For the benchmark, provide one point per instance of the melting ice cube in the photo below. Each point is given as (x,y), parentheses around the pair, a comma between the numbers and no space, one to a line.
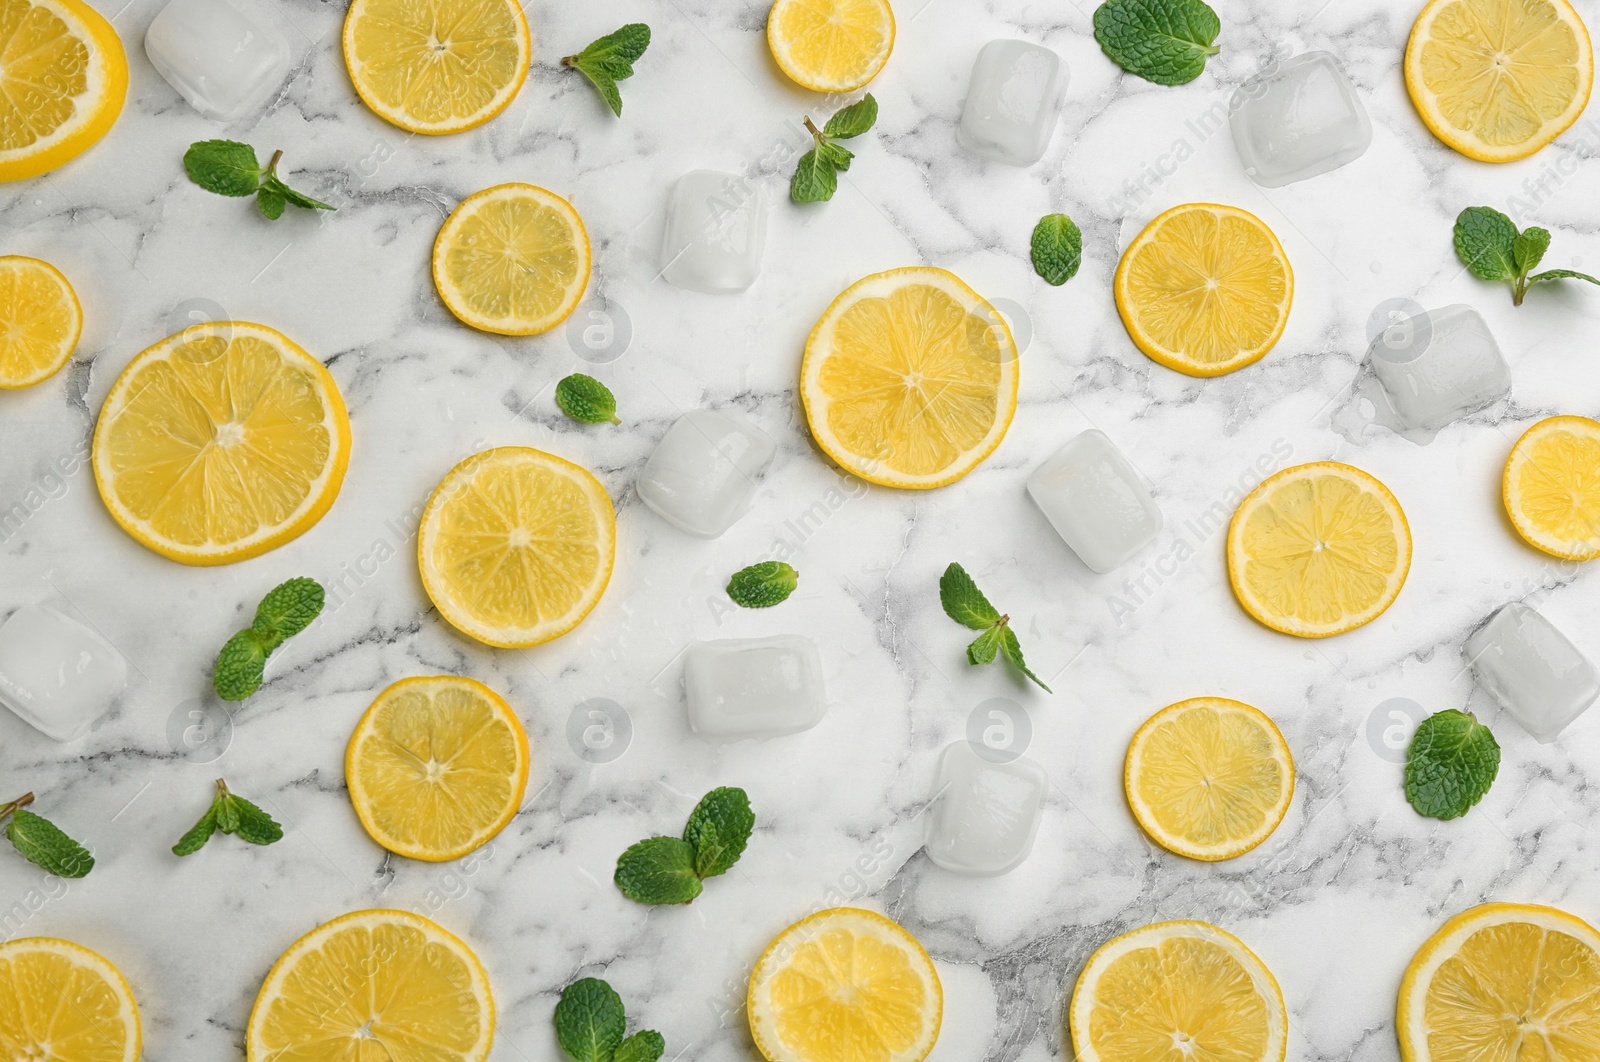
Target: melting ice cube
(1095,499)
(716,229)
(220,55)
(1013,102)
(985,813)
(57,674)
(704,472)
(753,687)
(1538,676)
(1298,120)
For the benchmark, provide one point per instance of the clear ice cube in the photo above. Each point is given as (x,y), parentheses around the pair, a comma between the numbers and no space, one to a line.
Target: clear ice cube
(57,674)
(1539,677)
(985,813)
(1096,501)
(716,230)
(221,56)
(1298,120)
(704,472)
(1437,367)
(1013,102)
(753,687)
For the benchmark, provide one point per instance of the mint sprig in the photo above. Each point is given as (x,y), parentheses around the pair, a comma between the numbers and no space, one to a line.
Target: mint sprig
(585,399)
(286,611)
(816,178)
(42,843)
(1489,245)
(1164,41)
(965,603)
(1056,248)
(1451,764)
(228,167)
(591,1022)
(610,60)
(763,585)
(229,813)
(667,870)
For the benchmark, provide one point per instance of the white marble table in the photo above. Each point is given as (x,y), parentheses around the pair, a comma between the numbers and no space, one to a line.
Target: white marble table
(1335,902)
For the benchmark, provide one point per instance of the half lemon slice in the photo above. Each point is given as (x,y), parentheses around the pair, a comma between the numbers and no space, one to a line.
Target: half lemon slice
(40,321)
(1551,487)
(63,1001)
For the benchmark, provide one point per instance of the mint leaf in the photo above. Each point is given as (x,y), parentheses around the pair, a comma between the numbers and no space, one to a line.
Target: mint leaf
(644,1046)
(963,601)
(1057,248)
(719,829)
(610,59)
(253,825)
(44,845)
(198,834)
(659,870)
(299,199)
(227,810)
(225,167)
(852,120)
(984,647)
(1528,248)
(288,609)
(815,179)
(1486,243)
(1561,274)
(590,1021)
(1012,650)
(270,202)
(1452,763)
(835,155)
(583,398)
(1164,41)
(763,585)
(239,666)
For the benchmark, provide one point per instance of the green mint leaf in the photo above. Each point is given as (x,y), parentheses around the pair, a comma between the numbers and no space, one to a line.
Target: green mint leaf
(299,199)
(198,834)
(718,829)
(583,398)
(1528,248)
(852,120)
(240,665)
(984,647)
(227,810)
(610,59)
(646,1045)
(1164,41)
(964,602)
(1057,248)
(44,845)
(835,155)
(590,1021)
(1012,650)
(270,202)
(763,585)
(659,870)
(1561,274)
(1486,243)
(1452,763)
(225,167)
(815,179)
(288,609)
(252,824)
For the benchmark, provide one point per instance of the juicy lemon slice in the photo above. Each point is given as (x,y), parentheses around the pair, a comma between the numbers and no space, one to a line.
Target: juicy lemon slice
(63,79)
(436,767)
(1552,487)
(40,321)
(512,259)
(1209,778)
(220,443)
(516,546)
(374,985)
(1205,289)
(1499,79)
(65,1002)
(831,45)
(845,985)
(436,66)
(1318,549)
(1177,990)
(1503,981)
(910,378)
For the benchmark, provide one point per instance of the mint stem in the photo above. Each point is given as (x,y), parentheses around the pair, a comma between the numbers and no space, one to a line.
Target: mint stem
(815,132)
(272,166)
(21,802)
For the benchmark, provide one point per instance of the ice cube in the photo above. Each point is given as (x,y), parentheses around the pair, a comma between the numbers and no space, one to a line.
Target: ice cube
(1538,676)
(57,674)
(704,472)
(1297,120)
(221,55)
(716,229)
(1439,366)
(1013,102)
(753,687)
(1096,500)
(985,813)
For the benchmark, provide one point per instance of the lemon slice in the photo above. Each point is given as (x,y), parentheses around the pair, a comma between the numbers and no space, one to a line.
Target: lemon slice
(1205,289)
(910,378)
(40,321)
(1318,549)
(516,546)
(1503,981)
(64,1002)
(831,45)
(1209,778)
(436,767)
(436,66)
(374,985)
(63,79)
(220,443)
(1177,990)
(1499,79)
(513,259)
(1552,487)
(845,985)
